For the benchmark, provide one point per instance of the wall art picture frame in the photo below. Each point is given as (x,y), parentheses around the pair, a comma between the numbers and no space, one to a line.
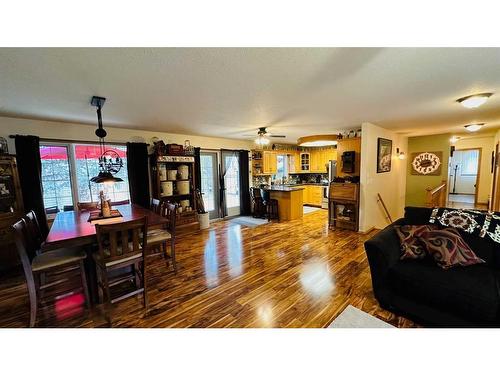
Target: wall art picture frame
(384,155)
(427,163)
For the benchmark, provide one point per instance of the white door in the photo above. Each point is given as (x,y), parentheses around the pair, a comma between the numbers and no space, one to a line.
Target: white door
(231,167)
(210,182)
(463,171)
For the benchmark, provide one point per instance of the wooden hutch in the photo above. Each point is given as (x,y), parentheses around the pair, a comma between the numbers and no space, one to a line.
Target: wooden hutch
(187,220)
(11,209)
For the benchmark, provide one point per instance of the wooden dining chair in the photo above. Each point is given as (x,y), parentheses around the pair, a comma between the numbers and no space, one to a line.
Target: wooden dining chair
(121,245)
(86,206)
(120,203)
(160,239)
(155,206)
(34,231)
(59,262)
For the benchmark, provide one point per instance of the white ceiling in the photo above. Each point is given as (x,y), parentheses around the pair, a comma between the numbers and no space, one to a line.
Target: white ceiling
(230,92)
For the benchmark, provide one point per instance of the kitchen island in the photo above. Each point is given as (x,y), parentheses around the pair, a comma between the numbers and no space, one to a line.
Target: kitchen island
(290,201)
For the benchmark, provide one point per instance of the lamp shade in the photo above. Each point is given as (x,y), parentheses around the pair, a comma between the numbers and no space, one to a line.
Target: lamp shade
(103,177)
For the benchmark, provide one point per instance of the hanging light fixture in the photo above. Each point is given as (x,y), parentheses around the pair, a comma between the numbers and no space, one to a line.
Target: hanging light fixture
(109,161)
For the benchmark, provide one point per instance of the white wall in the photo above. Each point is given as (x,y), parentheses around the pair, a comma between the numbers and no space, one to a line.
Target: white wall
(83,132)
(390,185)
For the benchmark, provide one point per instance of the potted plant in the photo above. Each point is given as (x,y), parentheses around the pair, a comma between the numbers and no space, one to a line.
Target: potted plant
(203,216)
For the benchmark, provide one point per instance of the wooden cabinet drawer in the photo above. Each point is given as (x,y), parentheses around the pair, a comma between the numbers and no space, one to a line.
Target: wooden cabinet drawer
(344,191)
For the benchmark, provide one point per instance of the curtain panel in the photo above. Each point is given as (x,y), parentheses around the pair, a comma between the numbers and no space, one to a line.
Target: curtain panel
(29,166)
(138,173)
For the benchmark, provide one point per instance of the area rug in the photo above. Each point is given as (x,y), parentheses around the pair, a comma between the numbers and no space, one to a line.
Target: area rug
(352,317)
(248,221)
(308,209)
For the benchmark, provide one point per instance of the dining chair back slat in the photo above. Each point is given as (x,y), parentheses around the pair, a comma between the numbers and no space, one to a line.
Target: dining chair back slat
(121,240)
(120,203)
(86,206)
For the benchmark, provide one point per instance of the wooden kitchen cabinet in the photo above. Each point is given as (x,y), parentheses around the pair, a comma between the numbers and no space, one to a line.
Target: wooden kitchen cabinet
(305,162)
(270,163)
(313,194)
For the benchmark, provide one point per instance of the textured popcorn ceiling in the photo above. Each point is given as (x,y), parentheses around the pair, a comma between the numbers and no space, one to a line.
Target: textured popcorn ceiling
(231,92)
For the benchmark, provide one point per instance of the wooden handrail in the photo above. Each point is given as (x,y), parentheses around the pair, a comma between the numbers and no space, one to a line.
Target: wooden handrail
(436,197)
(387,214)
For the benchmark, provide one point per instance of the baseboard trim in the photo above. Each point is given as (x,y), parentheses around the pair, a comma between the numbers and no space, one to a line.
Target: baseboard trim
(366,231)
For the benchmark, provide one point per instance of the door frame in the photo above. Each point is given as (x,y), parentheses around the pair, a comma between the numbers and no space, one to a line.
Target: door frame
(478,176)
(495,185)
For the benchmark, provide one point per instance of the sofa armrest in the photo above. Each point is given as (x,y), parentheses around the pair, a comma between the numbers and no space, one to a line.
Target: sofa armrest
(383,252)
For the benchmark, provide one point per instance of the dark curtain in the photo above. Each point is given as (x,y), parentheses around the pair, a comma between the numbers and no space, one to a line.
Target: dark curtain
(197,168)
(138,176)
(244,183)
(29,167)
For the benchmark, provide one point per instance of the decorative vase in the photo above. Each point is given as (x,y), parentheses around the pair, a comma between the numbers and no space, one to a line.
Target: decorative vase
(204,220)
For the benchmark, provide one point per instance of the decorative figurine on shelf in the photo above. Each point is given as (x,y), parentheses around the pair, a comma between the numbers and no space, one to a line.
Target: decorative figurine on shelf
(188,149)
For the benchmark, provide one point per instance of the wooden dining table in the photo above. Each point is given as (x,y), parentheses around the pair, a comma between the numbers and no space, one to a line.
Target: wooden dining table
(72,228)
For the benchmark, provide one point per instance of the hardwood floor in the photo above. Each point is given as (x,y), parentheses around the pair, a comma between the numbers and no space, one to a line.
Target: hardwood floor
(293,274)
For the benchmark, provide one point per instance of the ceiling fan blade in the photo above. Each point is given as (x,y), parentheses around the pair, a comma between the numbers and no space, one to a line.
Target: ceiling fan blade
(277,136)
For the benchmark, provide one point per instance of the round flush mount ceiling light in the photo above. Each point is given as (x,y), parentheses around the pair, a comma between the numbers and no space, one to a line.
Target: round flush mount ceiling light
(474,127)
(318,140)
(474,101)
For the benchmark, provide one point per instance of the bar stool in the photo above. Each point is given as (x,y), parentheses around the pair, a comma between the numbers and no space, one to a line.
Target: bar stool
(270,205)
(258,209)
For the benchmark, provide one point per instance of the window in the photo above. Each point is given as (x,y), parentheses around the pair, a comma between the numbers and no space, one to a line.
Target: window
(470,161)
(282,167)
(67,170)
(86,167)
(56,178)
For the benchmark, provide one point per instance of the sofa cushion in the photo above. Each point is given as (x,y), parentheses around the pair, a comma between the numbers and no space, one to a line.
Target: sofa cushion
(471,292)
(484,248)
(447,248)
(411,246)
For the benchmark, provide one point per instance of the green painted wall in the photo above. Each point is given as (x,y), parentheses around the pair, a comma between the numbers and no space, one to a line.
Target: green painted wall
(416,184)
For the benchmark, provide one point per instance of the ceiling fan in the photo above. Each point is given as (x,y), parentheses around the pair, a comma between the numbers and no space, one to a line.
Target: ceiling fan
(263,136)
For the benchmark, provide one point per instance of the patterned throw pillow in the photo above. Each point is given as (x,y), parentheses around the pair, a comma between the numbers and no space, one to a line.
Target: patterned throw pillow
(448,248)
(411,247)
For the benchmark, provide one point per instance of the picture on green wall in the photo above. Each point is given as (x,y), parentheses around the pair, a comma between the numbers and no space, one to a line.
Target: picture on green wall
(426,163)
(384,155)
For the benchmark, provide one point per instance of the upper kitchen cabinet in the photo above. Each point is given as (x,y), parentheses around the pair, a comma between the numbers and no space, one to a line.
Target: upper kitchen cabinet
(305,162)
(270,163)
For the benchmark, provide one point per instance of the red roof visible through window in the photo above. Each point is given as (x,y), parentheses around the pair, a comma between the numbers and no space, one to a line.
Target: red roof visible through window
(81,152)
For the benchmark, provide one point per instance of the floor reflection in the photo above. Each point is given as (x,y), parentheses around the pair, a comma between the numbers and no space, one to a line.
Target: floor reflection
(69,306)
(234,250)
(316,279)
(211,262)
(265,314)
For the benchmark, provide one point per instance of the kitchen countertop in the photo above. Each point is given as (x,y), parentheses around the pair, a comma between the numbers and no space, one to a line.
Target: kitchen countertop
(308,183)
(283,188)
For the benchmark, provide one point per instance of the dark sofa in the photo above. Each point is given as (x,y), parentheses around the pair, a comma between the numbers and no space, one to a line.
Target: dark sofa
(427,294)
